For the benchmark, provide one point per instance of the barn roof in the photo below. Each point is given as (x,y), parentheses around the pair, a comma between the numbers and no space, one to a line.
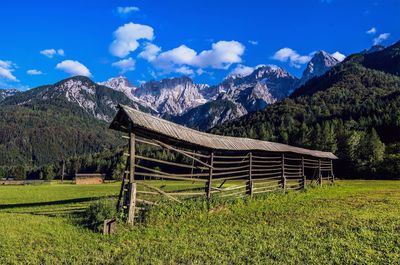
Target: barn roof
(148,126)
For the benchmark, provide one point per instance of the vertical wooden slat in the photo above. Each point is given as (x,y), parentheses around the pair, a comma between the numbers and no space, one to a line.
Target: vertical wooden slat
(132,202)
(131,194)
(131,156)
(303,172)
(283,178)
(209,182)
(319,172)
(250,182)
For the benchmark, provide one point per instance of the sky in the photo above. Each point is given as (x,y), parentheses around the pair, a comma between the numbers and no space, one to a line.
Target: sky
(44,41)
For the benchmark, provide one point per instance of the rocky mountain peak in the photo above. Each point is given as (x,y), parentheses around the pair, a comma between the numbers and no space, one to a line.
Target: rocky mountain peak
(320,63)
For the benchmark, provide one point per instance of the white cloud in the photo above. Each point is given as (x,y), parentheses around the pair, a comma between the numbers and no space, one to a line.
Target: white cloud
(126,38)
(291,56)
(184,70)
(371,31)
(34,72)
(381,38)
(6,69)
(73,68)
(242,70)
(61,52)
(51,52)
(150,52)
(338,56)
(126,10)
(253,42)
(221,55)
(180,55)
(125,65)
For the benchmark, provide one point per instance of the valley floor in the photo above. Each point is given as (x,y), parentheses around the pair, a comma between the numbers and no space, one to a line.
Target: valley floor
(352,222)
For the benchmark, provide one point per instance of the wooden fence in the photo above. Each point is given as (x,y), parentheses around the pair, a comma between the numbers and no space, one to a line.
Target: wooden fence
(211,175)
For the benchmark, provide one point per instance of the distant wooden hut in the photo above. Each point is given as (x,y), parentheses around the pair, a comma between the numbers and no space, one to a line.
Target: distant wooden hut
(220,166)
(88,178)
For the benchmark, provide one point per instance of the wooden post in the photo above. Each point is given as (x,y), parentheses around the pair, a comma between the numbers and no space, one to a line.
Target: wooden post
(131,202)
(209,182)
(131,194)
(303,173)
(332,175)
(250,182)
(319,172)
(283,178)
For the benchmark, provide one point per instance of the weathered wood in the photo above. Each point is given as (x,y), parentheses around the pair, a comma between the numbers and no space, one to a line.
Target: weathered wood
(161,192)
(170,176)
(167,174)
(210,176)
(109,226)
(319,172)
(131,203)
(169,163)
(187,154)
(250,182)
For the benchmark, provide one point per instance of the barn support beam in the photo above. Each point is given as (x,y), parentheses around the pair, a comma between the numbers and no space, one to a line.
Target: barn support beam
(210,175)
(283,177)
(319,172)
(303,174)
(250,181)
(131,193)
(332,175)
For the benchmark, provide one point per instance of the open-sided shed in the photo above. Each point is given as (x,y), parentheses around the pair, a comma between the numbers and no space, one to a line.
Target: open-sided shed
(216,165)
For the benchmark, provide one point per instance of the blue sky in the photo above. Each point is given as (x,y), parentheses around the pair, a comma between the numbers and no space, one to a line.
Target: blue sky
(43,42)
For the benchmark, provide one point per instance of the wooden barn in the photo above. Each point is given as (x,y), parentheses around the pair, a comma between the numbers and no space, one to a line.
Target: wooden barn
(191,163)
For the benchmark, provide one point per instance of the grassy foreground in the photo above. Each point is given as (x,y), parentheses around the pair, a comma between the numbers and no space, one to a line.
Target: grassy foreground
(353,222)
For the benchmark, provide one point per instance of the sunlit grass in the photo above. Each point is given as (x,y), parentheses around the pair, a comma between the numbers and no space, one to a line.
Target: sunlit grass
(353,222)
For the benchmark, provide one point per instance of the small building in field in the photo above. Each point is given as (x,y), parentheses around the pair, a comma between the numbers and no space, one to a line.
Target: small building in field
(88,178)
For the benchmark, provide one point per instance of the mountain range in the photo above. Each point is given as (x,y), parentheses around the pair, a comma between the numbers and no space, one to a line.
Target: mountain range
(70,117)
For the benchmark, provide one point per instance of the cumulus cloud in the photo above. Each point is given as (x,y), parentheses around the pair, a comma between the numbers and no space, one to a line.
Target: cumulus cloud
(6,69)
(73,68)
(50,53)
(126,10)
(125,65)
(291,56)
(34,72)
(150,52)
(371,31)
(381,38)
(253,42)
(221,56)
(241,70)
(338,56)
(126,38)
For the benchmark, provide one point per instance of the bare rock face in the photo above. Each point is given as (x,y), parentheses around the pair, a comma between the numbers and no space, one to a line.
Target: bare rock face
(172,96)
(319,65)
(5,93)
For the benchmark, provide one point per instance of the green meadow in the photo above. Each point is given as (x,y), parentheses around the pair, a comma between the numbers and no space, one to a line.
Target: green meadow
(351,222)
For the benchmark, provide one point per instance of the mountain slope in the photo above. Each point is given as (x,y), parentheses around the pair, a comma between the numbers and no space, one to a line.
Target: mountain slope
(79,94)
(334,112)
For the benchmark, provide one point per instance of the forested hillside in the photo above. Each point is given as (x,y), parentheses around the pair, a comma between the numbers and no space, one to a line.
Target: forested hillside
(352,110)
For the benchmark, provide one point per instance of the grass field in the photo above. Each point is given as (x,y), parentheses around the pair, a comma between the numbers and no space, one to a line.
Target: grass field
(353,222)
